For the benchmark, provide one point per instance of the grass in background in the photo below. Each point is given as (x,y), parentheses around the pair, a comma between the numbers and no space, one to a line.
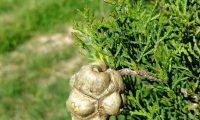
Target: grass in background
(32,90)
(29,87)
(34,85)
(19,19)
(9,5)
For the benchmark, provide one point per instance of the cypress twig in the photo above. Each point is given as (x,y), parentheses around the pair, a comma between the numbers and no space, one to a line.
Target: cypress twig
(143,73)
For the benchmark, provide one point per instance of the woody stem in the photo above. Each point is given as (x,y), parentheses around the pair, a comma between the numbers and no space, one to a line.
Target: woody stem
(143,73)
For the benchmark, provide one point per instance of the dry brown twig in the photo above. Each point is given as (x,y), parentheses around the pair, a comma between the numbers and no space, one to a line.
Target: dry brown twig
(143,73)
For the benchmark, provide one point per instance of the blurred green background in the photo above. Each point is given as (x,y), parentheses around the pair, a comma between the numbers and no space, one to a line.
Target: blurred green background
(38,56)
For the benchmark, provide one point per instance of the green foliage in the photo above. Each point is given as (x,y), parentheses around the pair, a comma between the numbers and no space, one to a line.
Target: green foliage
(162,37)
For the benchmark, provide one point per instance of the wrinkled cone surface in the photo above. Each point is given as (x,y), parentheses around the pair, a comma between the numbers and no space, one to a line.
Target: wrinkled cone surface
(96,93)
